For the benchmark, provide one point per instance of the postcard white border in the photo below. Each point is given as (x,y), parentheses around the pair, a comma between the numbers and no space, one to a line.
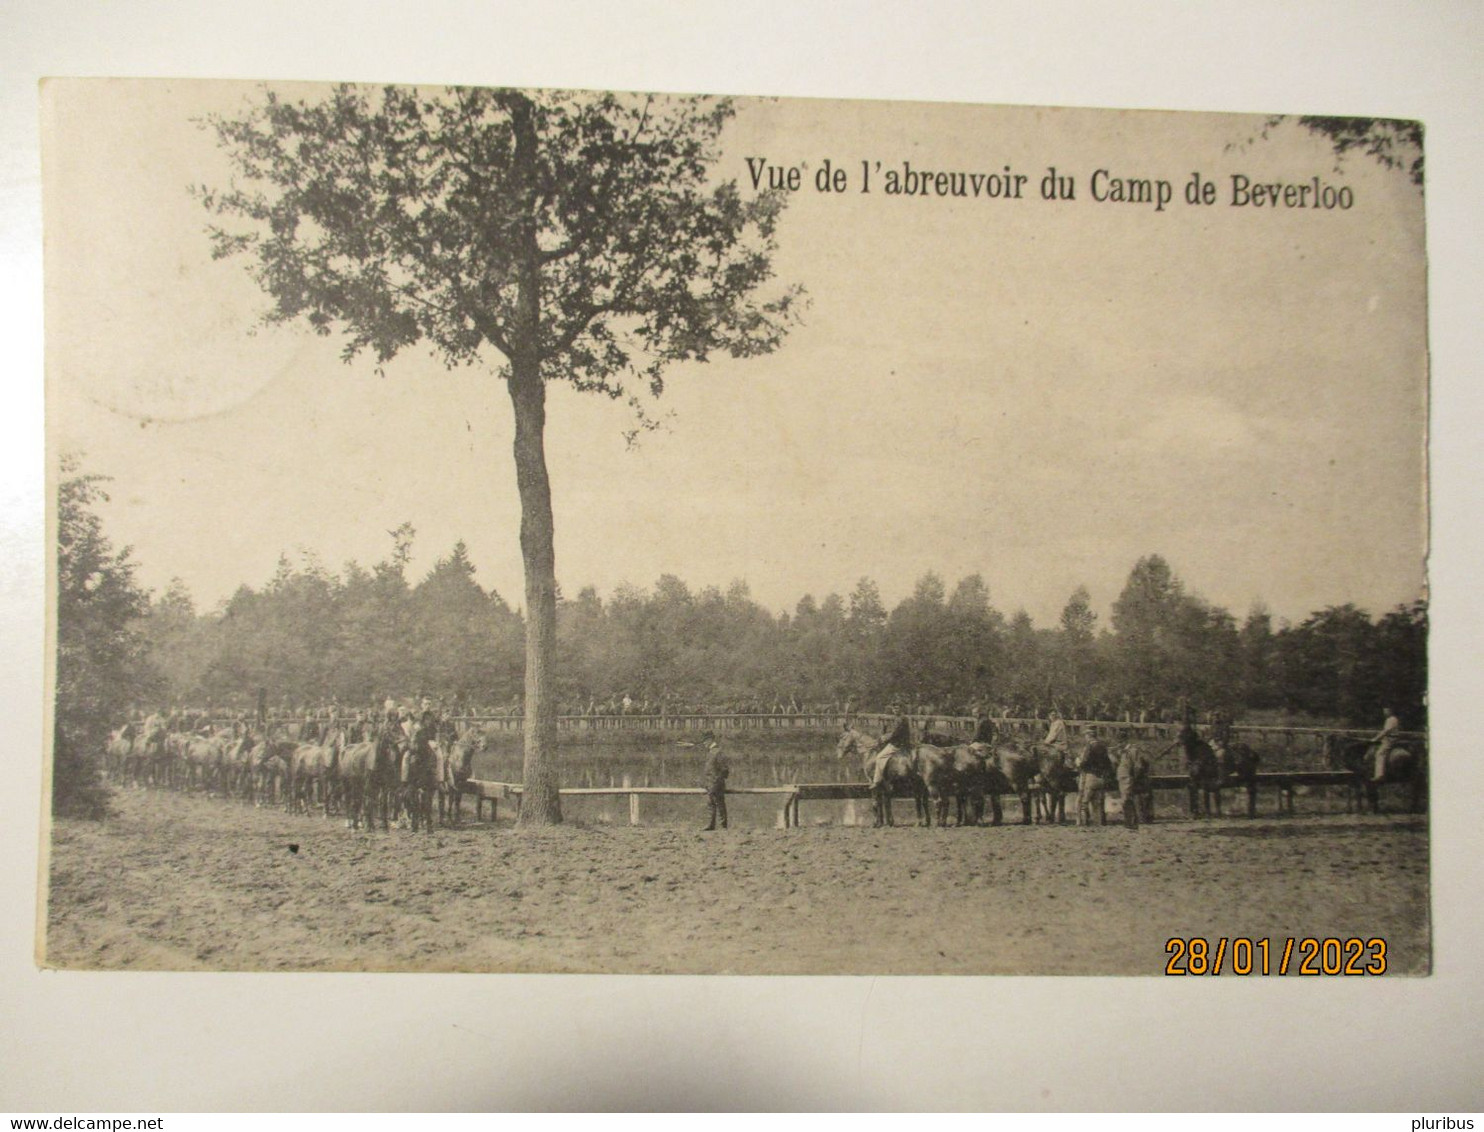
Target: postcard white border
(304,1042)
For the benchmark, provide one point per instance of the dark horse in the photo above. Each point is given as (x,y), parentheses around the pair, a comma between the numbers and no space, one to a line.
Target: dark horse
(1012,770)
(1204,772)
(419,781)
(1237,763)
(1404,767)
(958,775)
(896,772)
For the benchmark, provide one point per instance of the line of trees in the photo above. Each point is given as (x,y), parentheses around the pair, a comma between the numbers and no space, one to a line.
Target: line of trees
(356,636)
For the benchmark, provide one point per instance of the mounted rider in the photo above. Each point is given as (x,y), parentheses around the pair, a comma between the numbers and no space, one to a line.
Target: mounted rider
(425,728)
(309,728)
(984,730)
(1384,740)
(1055,741)
(896,739)
(1221,729)
(390,733)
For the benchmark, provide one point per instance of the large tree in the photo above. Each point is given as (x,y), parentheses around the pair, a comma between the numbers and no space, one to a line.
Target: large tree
(557,236)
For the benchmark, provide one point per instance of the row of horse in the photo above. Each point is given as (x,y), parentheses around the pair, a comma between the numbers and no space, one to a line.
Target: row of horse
(380,779)
(942,773)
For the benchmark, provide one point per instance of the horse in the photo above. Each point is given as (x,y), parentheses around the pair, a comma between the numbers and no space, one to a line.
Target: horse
(1238,767)
(419,782)
(1204,774)
(121,754)
(273,771)
(973,782)
(1133,775)
(383,788)
(1404,767)
(455,768)
(1056,780)
(153,756)
(238,766)
(888,772)
(314,768)
(954,773)
(355,772)
(369,778)
(200,758)
(1012,769)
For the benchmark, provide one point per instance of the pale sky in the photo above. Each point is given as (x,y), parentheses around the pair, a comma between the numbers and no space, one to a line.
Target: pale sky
(1039,392)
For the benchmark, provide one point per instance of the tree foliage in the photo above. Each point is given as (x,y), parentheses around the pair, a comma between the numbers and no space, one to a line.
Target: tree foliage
(397,215)
(1393,143)
(102,659)
(670,648)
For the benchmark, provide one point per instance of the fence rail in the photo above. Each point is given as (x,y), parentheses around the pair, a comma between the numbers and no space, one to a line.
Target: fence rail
(486,791)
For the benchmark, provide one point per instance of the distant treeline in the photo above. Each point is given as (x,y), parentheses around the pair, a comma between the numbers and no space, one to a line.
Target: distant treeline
(310,635)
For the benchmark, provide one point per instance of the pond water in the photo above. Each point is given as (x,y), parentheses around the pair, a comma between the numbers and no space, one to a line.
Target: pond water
(659,762)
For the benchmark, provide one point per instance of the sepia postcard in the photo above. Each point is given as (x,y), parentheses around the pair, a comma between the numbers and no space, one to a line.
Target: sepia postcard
(569,531)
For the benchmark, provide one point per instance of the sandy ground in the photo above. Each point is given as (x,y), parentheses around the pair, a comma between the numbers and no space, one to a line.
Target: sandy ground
(187,882)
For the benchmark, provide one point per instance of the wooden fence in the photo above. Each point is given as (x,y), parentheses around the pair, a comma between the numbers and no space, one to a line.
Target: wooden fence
(484,791)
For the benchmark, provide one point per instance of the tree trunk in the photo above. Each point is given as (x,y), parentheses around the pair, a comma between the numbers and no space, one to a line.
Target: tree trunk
(541,803)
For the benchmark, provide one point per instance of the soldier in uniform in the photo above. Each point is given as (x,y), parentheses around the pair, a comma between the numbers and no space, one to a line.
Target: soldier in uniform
(309,729)
(1094,768)
(896,736)
(391,722)
(1384,740)
(1221,729)
(717,769)
(425,727)
(1133,781)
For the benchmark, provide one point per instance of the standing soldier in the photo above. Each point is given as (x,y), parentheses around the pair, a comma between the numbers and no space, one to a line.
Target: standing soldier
(1133,778)
(717,769)
(1094,768)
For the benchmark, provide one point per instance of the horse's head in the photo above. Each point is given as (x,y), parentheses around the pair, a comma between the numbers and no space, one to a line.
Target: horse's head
(849,743)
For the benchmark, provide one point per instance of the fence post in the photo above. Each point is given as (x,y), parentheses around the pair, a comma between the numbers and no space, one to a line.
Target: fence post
(633,801)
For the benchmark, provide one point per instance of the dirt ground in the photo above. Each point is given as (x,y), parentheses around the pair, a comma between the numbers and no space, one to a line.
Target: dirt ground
(177,882)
